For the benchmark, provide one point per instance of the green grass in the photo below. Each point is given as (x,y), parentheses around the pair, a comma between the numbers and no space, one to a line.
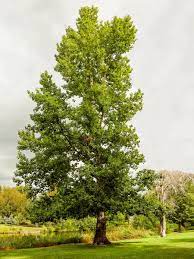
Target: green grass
(174,246)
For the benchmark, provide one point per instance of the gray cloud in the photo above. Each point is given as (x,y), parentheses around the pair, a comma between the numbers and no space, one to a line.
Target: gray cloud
(162,60)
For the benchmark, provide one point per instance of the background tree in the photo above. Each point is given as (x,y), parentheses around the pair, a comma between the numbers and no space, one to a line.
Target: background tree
(12,202)
(47,208)
(191,195)
(81,141)
(183,206)
(166,196)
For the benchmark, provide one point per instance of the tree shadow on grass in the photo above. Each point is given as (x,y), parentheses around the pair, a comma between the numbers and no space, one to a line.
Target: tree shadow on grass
(144,252)
(121,250)
(180,240)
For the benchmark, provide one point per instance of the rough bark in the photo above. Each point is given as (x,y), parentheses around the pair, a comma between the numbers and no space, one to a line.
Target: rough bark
(163,226)
(180,227)
(100,235)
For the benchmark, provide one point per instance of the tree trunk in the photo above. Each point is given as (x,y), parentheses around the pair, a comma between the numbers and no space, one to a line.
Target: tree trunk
(100,235)
(163,226)
(180,227)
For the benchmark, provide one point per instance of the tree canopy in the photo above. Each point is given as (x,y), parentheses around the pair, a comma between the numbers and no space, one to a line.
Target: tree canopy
(12,202)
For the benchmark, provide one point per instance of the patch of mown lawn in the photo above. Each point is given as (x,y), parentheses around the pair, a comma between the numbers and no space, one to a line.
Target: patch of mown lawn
(174,246)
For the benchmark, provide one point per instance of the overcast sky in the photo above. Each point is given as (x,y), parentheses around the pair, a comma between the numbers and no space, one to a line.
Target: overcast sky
(162,60)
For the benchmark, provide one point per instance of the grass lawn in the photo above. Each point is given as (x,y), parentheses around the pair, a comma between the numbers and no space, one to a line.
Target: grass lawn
(174,246)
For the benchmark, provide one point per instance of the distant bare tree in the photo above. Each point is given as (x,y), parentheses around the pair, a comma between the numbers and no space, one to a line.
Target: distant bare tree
(168,184)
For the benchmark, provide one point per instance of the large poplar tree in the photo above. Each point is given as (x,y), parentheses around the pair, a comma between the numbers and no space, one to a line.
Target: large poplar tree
(80,139)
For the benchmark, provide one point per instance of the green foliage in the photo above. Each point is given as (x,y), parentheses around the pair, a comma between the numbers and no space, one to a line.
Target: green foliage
(46,208)
(27,241)
(127,232)
(13,205)
(117,219)
(80,141)
(22,219)
(171,227)
(183,211)
(191,214)
(83,225)
(67,225)
(87,224)
(143,222)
